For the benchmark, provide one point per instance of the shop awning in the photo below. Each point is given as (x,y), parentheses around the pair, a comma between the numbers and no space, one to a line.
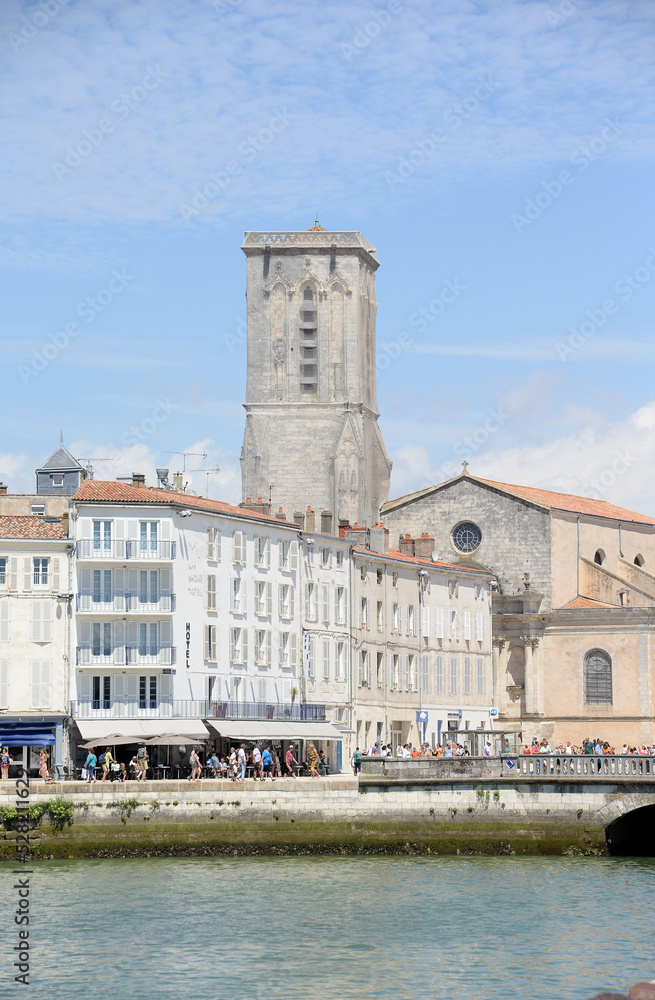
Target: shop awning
(142,728)
(30,738)
(254,730)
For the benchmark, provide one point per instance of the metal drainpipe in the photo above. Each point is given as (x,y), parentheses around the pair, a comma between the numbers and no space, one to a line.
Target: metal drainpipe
(384,654)
(577,564)
(70,549)
(351,561)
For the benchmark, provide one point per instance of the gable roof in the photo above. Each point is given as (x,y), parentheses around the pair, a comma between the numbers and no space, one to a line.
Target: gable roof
(585,602)
(435,564)
(99,491)
(29,526)
(547,499)
(61,460)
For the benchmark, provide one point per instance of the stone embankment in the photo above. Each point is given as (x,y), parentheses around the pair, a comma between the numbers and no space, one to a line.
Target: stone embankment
(470,808)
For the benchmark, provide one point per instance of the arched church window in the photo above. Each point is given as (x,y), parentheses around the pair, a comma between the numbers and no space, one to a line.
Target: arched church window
(639,560)
(308,343)
(342,481)
(599,558)
(353,481)
(598,677)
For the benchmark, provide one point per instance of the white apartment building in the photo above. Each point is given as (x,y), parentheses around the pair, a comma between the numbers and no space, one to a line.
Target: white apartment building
(186,609)
(35,623)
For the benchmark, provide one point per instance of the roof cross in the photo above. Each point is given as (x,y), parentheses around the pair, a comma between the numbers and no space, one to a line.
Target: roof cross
(465,466)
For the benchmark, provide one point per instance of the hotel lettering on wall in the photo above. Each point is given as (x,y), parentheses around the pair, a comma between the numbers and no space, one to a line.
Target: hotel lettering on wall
(188,645)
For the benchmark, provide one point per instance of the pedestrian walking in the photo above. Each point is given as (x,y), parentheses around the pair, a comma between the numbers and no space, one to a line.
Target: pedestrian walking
(290,762)
(142,757)
(90,764)
(313,761)
(356,761)
(106,760)
(196,766)
(241,761)
(267,764)
(43,764)
(5,761)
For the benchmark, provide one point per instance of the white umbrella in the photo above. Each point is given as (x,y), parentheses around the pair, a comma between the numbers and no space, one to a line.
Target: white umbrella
(169,739)
(115,740)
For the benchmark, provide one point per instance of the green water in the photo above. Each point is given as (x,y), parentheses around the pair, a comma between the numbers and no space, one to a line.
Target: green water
(322,928)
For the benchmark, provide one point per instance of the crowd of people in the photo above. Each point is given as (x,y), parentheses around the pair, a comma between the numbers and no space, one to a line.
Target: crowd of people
(588,748)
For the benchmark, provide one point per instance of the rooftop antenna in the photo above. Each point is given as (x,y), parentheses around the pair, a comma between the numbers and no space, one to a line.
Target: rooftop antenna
(214,469)
(196,454)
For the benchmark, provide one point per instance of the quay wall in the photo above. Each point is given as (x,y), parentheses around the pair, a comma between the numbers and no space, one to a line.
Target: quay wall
(341,814)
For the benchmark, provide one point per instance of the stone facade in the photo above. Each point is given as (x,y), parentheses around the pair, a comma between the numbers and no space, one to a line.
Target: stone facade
(311,436)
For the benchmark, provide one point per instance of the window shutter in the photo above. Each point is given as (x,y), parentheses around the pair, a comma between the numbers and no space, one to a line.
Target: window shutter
(217,544)
(255,597)
(236,547)
(292,600)
(267,553)
(36,622)
(326,659)
(27,574)
(426,623)
(46,684)
(46,622)
(439,623)
(269,600)
(337,616)
(308,610)
(4,684)
(165,633)
(467,624)
(280,555)
(280,648)
(326,602)
(13,578)
(293,649)
(368,613)
(268,648)
(210,543)
(35,686)
(233,634)
(293,555)
(244,645)
(55,575)
(118,640)
(479,626)
(280,599)
(4,621)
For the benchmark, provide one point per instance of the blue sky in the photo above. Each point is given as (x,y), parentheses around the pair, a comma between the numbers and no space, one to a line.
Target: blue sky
(498,155)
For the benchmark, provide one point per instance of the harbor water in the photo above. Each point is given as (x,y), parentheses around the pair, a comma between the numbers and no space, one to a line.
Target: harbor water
(335,928)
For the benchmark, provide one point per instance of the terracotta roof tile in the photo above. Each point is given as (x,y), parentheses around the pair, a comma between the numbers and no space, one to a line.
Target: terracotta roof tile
(585,602)
(550,499)
(29,526)
(99,491)
(401,557)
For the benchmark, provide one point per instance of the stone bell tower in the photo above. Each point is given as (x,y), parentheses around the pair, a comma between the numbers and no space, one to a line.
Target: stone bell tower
(312,437)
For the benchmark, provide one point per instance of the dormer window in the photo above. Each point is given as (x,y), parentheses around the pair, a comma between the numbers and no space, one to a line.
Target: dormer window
(37,509)
(57,479)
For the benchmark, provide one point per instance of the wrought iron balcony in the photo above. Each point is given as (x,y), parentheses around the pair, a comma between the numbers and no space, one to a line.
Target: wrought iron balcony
(198,709)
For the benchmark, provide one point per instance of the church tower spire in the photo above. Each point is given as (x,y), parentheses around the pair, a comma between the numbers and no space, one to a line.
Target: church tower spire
(312,437)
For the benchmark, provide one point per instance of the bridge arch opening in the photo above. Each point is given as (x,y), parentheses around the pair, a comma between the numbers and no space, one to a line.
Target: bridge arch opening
(633,834)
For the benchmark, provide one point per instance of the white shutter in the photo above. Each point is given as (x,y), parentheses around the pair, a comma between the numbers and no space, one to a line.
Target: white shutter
(255,597)
(244,595)
(293,555)
(165,633)
(166,687)
(35,686)
(368,614)
(55,575)
(118,641)
(118,687)
(479,626)
(36,621)
(280,599)
(325,595)
(4,620)
(267,553)
(439,623)
(268,648)
(244,645)
(336,605)
(217,544)
(467,624)
(292,600)
(293,649)
(233,645)
(4,684)
(279,648)
(165,581)
(84,687)
(27,574)
(210,543)
(13,578)
(46,622)
(132,687)
(425,623)
(326,659)
(269,598)
(308,609)
(236,547)
(46,684)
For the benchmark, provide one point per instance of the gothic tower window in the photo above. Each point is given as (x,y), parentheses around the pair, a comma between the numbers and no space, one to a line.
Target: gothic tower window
(598,678)
(308,343)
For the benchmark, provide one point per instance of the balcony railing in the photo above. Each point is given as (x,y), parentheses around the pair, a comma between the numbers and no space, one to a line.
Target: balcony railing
(130,656)
(189,709)
(122,548)
(134,603)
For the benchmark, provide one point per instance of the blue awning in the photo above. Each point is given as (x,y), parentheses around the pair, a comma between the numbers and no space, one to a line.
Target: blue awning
(26,734)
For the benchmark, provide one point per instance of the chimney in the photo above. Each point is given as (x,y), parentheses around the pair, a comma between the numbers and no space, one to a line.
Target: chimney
(178,482)
(299,519)
(65,522)
(259,508)
(281,516)
(138,479)
(379,539)
(406,545)
(424,546)
(356,534)
(3,489)
(310,520)
(326,522)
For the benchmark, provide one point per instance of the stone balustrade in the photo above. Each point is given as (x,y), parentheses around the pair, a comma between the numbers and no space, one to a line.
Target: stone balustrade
(529,766)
